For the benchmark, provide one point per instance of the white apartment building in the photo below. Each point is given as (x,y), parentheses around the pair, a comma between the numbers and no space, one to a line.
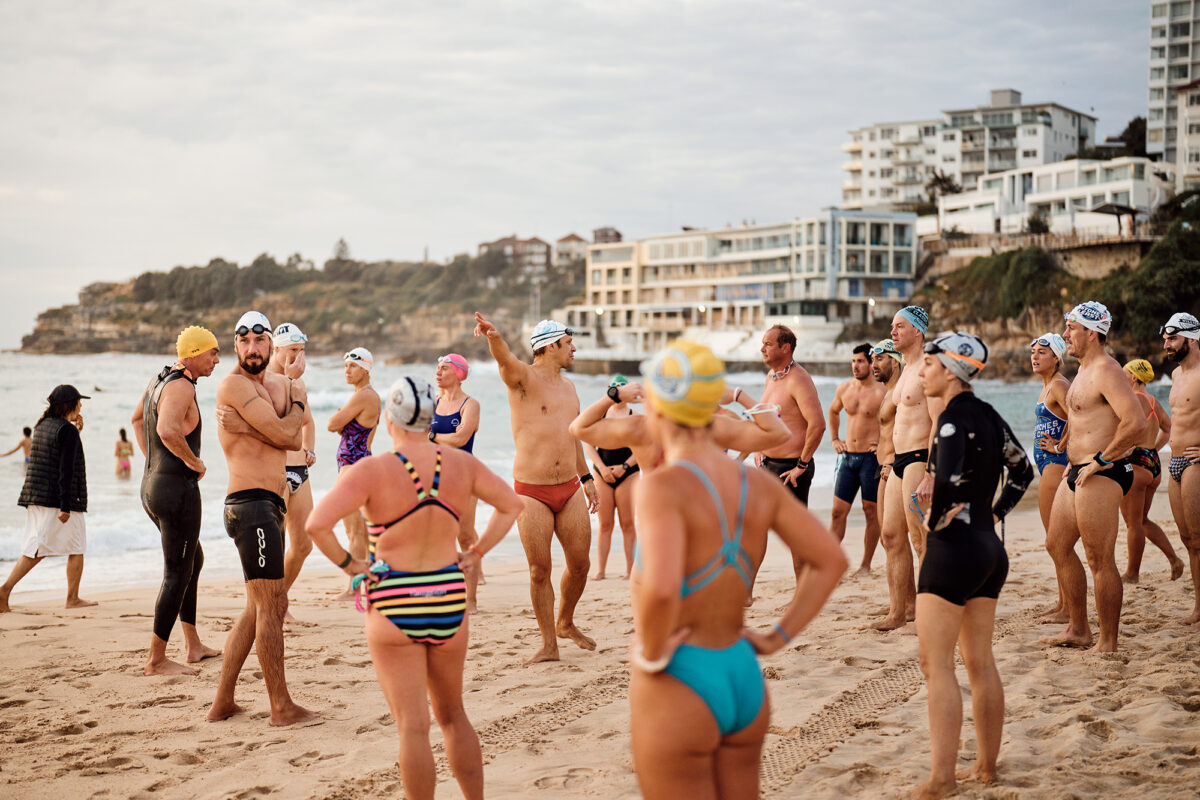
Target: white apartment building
(1187,136)
(1174,62)
(816,272)
(1064,194)
(889,164)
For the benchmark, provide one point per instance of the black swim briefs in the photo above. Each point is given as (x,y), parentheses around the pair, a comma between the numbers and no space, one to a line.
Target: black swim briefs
(902,461)
(1121,473)
(778,466)
(254,520)
(296,476)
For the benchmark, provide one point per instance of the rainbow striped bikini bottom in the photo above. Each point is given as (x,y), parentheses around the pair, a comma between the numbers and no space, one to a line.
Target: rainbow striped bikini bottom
(427,607)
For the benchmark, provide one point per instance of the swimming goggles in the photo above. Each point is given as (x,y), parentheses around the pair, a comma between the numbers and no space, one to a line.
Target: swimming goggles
(1171,330)
(1044,342)
(355,357)
(244,331)
(933,349)
(293,337)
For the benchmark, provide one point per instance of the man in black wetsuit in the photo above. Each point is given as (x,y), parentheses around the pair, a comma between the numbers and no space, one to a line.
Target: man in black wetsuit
(167,427)
(965,564)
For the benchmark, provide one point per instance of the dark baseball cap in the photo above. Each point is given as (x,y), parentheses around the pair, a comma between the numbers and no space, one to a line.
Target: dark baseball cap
(65,393)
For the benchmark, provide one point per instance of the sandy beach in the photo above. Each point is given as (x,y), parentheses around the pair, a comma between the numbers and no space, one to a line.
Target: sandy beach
(77,718)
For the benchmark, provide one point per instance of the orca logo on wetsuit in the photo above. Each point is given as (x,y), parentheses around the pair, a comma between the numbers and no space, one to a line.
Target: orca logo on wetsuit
(262,545)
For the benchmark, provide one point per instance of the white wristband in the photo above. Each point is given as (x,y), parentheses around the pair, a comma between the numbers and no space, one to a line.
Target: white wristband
(638,660)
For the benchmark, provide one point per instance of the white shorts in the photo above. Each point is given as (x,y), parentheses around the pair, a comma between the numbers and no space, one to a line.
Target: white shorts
(46,536)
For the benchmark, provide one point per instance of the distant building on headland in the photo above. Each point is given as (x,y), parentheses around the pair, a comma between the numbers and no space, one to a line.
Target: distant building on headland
(571,247)
(1187,137)
(1174,62)
(605,235)
(889,163)
(727,285)
(1065,195)
(531,255)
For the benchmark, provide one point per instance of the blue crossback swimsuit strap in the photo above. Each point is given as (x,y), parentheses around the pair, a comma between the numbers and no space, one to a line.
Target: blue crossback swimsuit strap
(727,679)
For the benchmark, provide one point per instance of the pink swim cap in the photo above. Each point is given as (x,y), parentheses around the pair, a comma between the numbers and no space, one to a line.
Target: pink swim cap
(457,363)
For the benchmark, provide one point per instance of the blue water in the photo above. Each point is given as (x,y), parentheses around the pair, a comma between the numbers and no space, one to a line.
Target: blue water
(123,545)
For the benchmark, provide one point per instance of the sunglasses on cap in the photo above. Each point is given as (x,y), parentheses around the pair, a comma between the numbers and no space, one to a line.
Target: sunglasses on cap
(244,331)
(1171,330)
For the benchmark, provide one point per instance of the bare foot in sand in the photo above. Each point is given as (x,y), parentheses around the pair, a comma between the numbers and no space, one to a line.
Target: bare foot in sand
(1055,616)
(932,789)
(976,774)
(576,636)
(345,596)
(79,602)
(1193,619)
(1100,649)
(168,667)
(292,715)
(1176,569)
(1130,579)
(218,712)
(1068,639)
(545,654)
(4,607)
(625,577)
(888,623)
(599,576)
(201,652)
(863,572)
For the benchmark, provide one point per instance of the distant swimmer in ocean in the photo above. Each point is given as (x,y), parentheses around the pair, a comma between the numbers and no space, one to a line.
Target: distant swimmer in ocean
(1105,421)
(616,472)
(1147,475)
(455,423)
(166,424)
(25,444)
(1181,342)
(548,469)
(288,359)
(417,624)
(274,407)
(123,451)
(55,495)
(356,422)
(698,701)
(858,464)
(965,564)
(1050,434)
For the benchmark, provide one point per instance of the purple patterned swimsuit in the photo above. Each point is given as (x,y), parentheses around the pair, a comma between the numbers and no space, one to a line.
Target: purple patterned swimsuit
(353,446)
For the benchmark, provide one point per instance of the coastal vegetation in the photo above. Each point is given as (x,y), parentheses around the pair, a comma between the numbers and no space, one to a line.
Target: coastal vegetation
(418,308)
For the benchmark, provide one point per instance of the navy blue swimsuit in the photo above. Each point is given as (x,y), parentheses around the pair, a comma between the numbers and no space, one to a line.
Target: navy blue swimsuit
(448,423)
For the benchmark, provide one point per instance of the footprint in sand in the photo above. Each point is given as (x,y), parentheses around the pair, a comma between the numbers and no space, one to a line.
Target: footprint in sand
(255,791)
(311,757)
(11,703)
(1101,729)
(574,778)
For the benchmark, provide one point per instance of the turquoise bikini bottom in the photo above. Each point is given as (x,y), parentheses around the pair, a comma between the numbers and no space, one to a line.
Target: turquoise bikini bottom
(728,680)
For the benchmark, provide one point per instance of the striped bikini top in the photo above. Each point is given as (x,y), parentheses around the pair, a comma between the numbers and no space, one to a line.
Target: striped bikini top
(424,498)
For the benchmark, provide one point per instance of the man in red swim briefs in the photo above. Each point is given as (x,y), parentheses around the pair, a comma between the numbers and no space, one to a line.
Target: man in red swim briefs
(548,469)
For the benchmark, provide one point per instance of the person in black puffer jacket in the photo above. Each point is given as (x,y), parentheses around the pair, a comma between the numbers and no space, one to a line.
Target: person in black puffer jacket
(55,495)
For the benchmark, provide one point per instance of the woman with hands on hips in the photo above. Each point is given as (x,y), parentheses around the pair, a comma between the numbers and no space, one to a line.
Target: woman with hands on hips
(698,700)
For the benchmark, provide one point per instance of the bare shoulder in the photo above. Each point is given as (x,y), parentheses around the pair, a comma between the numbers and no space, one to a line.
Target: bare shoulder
(234,385)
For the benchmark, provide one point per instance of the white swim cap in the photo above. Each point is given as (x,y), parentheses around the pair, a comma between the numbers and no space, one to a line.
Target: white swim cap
(410,403)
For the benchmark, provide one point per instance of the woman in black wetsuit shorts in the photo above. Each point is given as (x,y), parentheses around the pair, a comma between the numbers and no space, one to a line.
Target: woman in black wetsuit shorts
(965,563)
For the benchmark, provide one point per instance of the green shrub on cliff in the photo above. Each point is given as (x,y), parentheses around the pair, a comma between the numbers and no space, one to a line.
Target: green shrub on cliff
(1007,283)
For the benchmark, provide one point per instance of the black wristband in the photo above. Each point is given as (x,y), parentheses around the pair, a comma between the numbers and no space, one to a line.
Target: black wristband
(625,464)
(346,561)
(432,435)
(299,403)
(1099,459)
(802,464)
(585,478)
(614,394)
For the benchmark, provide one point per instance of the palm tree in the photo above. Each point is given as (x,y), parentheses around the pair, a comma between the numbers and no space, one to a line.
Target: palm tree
(940,184)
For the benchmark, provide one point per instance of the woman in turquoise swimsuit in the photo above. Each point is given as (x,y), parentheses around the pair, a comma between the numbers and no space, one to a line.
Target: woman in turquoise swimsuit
(416,622)
(698,701)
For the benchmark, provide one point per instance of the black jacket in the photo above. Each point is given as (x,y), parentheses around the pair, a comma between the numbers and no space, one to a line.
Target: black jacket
(55,477)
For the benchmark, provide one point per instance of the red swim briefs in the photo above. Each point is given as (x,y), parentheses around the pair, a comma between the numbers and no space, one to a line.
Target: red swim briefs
(555,496)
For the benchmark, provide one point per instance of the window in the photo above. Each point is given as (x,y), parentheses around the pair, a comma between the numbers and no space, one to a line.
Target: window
(871,136)
(1194,99)
(928,130)
(949,158)
(870,154)
(1155,114)
(1177,73)
(1158,52)
(1179,9)
(1157,94)
(1156,73)
(886,172)
(949,137)
(1193,157)
(1180,29)
(595,276)
(1193,127)
(887,133)
(1159,10)
(1158,33)
(1029,154)
(1178,51)
(626,274)
(1154,135)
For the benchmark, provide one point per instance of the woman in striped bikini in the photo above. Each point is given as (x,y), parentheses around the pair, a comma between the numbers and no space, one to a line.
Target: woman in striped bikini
(414,582)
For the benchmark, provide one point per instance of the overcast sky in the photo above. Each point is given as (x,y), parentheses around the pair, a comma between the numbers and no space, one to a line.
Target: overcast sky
(143,135)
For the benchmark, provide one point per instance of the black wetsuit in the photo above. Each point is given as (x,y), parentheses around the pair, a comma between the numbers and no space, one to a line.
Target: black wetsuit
(965,559)
(171,497)
(613,458)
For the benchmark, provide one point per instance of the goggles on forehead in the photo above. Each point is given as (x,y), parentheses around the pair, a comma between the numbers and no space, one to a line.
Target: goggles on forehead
(1171,330)
(294,338)
(244,331)
(933,349)
(355,357)
(1043,341)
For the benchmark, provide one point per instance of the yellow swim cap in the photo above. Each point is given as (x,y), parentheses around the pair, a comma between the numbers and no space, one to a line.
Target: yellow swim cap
(1140,368)
(194,340)
(685,382)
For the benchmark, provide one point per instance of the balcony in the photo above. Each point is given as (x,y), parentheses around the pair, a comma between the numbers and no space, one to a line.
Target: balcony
(852,166)
(1003,144)
(852,184)
(906,157)
(908,178)
(969,145)
(1001,164)
(852,147)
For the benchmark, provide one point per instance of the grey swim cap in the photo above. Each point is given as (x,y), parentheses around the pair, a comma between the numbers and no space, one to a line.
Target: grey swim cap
(410,403)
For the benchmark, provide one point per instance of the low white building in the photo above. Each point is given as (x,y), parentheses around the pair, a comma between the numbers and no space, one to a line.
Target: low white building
(814,274)
(1064,194)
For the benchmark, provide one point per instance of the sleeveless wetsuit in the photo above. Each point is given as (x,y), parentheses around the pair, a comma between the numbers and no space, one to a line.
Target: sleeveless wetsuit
(1048,424)
(727,679)
(448,423)
(171,498)
(428,607)
(965,559)
(353,446)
